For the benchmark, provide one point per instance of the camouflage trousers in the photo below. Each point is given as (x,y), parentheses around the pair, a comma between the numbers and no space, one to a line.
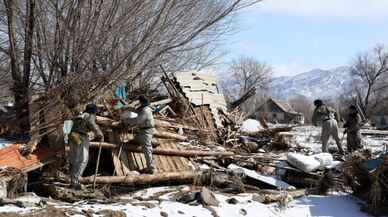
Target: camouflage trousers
(79,157)
(330,129)
(353,140)
(144,138)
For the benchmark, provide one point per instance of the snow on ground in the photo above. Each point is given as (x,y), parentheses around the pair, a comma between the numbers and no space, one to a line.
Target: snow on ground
(251,125)
(309,206)
(319,206)
(29,201)
(309,137)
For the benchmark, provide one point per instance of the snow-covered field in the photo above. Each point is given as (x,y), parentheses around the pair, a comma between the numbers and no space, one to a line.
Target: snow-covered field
(145,203)
(308,206)
(309,137)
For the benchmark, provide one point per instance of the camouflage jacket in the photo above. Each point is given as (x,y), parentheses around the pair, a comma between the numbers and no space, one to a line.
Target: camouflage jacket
(144,119)
(353,122)
(84,123)
(323,113)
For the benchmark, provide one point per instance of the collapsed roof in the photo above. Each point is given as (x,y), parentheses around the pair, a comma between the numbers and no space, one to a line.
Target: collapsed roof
(201,89)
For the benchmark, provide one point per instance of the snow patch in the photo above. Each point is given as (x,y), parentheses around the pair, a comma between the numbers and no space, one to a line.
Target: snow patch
(251,125)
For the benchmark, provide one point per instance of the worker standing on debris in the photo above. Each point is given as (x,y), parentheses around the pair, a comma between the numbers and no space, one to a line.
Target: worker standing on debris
(327,117)
(79,142)
(145,124)
(353,125)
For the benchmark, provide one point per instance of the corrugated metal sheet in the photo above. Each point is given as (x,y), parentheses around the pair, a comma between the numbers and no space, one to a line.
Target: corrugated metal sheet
(130,161)
(11,157)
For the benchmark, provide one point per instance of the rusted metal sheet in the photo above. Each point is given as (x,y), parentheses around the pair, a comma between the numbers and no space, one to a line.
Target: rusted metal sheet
(11,157)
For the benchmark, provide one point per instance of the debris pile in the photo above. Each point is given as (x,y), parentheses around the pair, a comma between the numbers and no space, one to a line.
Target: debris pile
(368,178)
(196,141)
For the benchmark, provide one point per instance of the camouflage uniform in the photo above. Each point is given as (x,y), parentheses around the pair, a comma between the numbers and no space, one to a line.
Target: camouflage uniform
(352,125)
(145,123)
(79,144)
(327,117)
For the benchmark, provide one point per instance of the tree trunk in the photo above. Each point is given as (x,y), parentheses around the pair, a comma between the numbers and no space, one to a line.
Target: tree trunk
(21,81)
(174,177)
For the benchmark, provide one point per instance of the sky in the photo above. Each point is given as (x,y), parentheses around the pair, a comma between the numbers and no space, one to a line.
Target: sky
(294,36)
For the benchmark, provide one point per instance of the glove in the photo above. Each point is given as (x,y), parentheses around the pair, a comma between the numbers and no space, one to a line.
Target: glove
(26,150)
(100,138)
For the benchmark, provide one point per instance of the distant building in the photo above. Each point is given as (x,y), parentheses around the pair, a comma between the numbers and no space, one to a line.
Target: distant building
(278,112)
(380,121)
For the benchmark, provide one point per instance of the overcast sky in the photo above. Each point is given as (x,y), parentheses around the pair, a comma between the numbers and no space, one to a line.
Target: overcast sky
(295,36)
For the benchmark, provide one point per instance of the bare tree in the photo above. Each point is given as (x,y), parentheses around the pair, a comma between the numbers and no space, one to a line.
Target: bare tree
(88,46)
(304,106)
(20,78)
(370,71)
(246,73)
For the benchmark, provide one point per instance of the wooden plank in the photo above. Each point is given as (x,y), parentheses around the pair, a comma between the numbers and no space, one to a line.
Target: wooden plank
(159,162)
(117,163)
(139,161)
(374,132)
(175,160)
(125,162)
(183,162)
(131,161)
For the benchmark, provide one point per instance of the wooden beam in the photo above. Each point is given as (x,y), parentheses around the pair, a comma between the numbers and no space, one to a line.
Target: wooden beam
(161,102)
(168,152)
(168,135)
(374,132)
(173,177)
(158,123)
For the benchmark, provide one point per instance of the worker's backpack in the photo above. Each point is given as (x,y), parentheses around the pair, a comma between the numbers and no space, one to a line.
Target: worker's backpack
(81,125)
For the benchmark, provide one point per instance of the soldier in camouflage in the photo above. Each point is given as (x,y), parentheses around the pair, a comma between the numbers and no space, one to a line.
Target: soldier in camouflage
(145,124)
(326,117)
(79,143)
(353,125)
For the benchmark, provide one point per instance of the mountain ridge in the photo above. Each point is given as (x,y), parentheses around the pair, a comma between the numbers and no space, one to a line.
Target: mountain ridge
(316,83)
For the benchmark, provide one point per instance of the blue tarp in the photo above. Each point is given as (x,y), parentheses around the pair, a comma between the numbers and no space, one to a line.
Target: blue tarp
(121,93)
(371,165)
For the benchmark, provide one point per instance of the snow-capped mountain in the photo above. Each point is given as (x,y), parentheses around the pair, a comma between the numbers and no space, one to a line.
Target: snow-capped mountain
(317,83)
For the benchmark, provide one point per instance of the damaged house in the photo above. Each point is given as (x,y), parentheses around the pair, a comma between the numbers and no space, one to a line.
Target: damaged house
(278,112)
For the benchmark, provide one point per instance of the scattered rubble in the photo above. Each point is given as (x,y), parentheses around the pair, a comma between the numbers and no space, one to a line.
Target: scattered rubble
(197,142)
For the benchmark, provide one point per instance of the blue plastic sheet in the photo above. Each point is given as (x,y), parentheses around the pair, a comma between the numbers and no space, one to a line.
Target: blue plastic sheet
(371,165)
(121,93)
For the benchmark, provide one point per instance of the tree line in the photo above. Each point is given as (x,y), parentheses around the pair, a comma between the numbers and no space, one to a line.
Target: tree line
(65,48)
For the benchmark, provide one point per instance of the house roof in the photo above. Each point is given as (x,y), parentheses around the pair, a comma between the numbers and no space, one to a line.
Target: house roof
(201,89)
(284,106)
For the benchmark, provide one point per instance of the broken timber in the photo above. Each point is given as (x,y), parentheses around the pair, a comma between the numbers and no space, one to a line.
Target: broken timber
(158,123)
(175,177)
(168,152)
(251,92)
(167,135)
